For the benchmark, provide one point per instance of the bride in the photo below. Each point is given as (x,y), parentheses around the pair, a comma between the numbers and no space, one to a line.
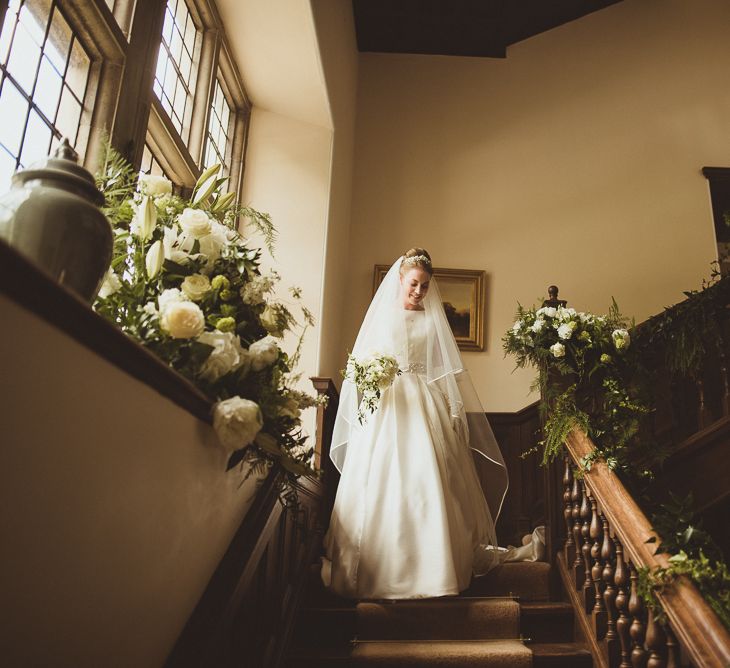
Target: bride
(410,519)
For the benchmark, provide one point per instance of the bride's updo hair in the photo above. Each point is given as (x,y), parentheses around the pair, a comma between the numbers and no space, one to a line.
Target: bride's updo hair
(416,257)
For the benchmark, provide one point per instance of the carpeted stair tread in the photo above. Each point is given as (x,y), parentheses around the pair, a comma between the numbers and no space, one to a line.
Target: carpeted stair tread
(528,580)
(447,618)
(434,619)
(487,653)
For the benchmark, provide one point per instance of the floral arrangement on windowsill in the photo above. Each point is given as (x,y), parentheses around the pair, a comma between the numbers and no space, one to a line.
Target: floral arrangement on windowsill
(586,377)
(188,286)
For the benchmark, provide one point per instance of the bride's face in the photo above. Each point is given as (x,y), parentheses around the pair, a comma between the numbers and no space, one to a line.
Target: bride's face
(414,286)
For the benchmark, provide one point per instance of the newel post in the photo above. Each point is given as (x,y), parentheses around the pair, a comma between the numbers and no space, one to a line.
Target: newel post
(558,488)
(325,424)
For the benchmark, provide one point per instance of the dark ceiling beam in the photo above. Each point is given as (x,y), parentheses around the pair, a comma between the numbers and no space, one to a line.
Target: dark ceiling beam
(481,28)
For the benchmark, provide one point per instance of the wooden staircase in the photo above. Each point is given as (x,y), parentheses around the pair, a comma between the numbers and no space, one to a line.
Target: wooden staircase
(505,619)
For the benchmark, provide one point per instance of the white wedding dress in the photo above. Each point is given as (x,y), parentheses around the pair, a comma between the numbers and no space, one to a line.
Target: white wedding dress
(410,519)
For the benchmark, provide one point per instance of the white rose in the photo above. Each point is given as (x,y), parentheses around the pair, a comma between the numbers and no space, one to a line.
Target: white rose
(549,311)
(168,297)
(263,353)
(154,185)
(237,421)
(145,219)
(565,313)
(195,222)
(213,243)
(182,320)
(565,331)
(538,325)
(517,326)
(110,285)
(196,286)
(273,320)
(558,350)
(227,355)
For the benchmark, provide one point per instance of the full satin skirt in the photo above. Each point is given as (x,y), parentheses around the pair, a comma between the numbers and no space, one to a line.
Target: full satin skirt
(410,519)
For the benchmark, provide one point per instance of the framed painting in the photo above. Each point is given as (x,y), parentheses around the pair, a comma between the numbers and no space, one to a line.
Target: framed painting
(463,296)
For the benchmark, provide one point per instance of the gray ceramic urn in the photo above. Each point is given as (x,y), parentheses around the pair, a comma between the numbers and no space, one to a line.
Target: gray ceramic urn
(51,215)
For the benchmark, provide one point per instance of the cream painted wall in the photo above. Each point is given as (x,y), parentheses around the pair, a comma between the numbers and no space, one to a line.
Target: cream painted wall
(575,161)
(335,28)
(115,506)
(287,175)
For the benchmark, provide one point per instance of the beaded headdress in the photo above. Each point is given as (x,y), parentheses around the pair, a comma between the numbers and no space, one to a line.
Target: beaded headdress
(416,259)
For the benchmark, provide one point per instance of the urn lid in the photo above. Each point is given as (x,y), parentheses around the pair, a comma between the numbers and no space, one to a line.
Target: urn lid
(63,169)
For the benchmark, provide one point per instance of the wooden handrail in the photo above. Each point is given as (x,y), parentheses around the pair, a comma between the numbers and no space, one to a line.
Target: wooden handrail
(693,622)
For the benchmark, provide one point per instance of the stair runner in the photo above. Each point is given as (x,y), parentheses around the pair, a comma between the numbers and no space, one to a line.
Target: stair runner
(504,620)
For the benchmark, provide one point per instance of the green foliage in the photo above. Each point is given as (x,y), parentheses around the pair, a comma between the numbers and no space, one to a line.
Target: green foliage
(586,376)
(694,554)
(690,330)
(169,250)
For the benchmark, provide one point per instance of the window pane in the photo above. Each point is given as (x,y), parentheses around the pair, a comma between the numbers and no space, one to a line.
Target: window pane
(175,65)
(37,140)
(78,70)
(13,111)
(48,89)
(7,168)
(69,114)
(42,81)
(218,129)
(23,61)
(59,40)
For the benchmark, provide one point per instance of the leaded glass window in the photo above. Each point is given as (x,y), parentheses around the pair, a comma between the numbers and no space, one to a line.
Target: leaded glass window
(44,71)
(175,75)
(218,134)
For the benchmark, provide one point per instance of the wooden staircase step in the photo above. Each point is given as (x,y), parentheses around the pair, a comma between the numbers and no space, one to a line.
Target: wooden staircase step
(527,580)
(462,653)
(560,655)
(428,619)
(547,622)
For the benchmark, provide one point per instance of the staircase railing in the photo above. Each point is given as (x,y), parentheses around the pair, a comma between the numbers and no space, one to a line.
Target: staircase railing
(606,544)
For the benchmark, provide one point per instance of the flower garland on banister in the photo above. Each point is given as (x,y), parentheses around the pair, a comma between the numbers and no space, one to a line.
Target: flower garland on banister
(586,377)
(186,285)
(591,374)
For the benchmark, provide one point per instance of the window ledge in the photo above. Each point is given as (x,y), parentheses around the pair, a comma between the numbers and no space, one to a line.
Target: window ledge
(33,289)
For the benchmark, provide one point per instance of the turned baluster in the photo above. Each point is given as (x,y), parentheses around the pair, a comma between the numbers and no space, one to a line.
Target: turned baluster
(568,511)
(673,652)
(609,592)
(585,532)
(703,414)
(637,629)
(623,622)
(724,378)
(575,496)
(656,642)
(598,613)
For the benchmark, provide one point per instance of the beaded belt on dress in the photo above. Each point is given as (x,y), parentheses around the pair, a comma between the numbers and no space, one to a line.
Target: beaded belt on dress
(415,367)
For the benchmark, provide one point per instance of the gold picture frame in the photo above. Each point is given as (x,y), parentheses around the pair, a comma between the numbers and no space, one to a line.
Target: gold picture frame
(463,295)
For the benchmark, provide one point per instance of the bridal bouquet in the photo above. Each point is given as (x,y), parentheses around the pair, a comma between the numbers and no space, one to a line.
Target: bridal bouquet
(185,284)
(371,376)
